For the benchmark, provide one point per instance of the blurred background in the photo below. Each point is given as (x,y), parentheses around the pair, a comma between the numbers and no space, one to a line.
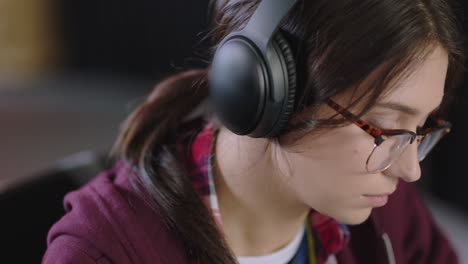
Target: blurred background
(71,71)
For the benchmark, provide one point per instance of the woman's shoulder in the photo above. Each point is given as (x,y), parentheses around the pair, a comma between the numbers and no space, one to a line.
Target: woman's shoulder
(108,219)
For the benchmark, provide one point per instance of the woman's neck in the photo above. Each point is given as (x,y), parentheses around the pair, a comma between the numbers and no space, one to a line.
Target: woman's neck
(260,214)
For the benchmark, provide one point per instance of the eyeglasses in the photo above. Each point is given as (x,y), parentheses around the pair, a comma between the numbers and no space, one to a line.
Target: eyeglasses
(389,144)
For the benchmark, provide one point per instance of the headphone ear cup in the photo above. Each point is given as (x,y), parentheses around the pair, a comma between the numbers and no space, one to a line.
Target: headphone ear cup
(243,90)
(286,52)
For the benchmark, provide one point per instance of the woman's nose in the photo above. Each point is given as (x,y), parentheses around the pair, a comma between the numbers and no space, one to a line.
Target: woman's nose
(407,166)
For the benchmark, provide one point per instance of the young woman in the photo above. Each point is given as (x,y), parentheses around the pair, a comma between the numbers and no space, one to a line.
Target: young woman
(318,172)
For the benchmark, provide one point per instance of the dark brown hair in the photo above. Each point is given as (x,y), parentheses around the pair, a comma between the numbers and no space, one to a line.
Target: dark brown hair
(338,44)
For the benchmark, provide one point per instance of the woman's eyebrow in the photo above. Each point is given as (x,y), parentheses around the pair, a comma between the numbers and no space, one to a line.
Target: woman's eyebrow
(403,108)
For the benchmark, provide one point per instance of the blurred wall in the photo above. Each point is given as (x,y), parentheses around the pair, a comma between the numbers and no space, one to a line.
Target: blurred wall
(27,37)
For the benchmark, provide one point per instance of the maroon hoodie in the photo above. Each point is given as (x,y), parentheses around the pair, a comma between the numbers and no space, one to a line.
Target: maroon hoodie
(107,222)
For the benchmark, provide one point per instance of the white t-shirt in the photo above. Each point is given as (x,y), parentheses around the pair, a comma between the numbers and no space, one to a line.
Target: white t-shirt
(281,256)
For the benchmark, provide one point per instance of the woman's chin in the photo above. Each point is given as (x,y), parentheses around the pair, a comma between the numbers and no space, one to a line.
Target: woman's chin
(353,217)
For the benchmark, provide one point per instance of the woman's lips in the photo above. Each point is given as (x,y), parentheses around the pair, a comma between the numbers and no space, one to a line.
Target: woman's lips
(377,200)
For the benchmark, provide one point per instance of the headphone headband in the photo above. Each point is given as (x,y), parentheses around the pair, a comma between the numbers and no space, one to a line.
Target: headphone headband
(264,22)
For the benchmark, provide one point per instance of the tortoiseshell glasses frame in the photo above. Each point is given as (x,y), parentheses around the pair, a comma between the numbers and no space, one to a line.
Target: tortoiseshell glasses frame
(389,144)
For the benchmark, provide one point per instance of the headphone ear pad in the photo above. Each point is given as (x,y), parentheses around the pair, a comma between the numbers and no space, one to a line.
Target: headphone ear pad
(286,52)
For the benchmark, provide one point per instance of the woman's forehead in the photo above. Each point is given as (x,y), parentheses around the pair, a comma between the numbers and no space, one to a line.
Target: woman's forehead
(423,90)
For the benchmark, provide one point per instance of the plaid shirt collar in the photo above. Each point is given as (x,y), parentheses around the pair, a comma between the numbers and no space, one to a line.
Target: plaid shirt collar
(330,236)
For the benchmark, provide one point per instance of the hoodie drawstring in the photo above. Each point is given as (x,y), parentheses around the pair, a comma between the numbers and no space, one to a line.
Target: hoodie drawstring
(389,248)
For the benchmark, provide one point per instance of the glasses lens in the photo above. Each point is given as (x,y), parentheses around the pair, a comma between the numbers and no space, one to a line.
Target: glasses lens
(385,154)
(428,143)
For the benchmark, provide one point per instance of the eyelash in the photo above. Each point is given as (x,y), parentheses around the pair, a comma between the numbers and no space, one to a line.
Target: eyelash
(384,126)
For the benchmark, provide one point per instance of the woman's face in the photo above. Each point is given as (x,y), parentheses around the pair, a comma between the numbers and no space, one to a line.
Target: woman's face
(327,172)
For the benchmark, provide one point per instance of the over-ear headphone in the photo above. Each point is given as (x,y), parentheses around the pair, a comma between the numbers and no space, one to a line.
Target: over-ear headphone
(253,74)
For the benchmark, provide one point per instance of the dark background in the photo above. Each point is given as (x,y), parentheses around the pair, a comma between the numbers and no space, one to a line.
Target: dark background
(111,55)
(141,38)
